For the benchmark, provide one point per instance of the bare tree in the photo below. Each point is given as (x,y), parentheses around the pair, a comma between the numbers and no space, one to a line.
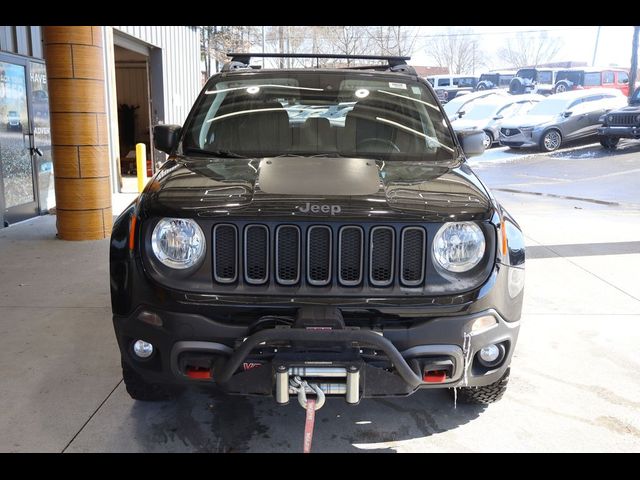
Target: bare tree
(530,51)
(217,41)
(393,40)
(634,61)
(347,40)
(456,50)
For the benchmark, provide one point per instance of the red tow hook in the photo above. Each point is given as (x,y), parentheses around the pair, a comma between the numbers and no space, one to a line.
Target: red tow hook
(434,376)
(198,373)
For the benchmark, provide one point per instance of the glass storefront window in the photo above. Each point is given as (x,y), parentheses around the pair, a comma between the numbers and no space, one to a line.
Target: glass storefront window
(42,134)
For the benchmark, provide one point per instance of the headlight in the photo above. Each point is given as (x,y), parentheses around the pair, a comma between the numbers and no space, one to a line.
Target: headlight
(458,246)
(178,242)
(602,118)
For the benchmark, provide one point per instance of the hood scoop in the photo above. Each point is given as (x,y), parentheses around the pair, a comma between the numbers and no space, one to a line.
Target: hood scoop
(318,176)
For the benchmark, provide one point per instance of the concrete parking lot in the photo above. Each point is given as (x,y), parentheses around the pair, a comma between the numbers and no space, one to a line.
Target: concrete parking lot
(575,383)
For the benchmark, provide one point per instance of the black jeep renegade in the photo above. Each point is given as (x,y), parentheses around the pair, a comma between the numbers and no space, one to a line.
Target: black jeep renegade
(316,231)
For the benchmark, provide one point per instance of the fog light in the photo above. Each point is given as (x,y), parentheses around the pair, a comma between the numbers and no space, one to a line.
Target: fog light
(491,355)
(142,349)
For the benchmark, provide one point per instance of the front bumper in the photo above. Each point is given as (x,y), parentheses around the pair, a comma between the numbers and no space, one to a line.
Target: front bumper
(519,140)
(619,132)
(390,361)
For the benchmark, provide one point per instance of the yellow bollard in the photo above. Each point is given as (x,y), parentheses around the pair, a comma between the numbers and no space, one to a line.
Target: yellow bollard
(141,165)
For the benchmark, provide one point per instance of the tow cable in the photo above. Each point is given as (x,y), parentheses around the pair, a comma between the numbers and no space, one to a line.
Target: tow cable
(310,405)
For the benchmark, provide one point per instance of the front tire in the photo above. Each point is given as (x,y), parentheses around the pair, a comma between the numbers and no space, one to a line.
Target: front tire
(610,143)
(561,86)
(487,140)
(139,389)
(484,395)
(550,141)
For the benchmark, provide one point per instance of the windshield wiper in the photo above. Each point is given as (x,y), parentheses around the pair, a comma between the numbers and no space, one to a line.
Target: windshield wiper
(215,153)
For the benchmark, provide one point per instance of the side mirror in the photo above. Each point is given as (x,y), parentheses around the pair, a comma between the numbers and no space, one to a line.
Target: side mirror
(498,117)
(165,137)
(472,142)
(567,113)
(461,113)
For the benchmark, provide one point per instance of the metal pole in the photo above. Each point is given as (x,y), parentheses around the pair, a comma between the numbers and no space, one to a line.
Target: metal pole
(263,42)
(595,49)
(141,165)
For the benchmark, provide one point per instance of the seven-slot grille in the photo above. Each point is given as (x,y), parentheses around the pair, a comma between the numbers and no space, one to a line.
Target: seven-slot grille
(623,119)
(319,255)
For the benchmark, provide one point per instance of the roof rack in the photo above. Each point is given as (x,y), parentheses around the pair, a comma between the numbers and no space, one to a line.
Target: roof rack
(395,63)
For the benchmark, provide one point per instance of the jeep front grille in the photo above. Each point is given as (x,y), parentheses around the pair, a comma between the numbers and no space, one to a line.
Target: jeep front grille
(622,119)
(320,255)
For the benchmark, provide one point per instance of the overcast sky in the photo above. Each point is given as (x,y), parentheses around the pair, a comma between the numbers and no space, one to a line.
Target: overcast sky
(614,46)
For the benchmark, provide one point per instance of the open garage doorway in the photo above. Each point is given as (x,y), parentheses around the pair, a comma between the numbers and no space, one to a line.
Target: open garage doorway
(134,114)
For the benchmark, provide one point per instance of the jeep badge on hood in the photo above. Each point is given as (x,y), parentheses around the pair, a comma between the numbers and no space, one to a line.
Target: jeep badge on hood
(315,208)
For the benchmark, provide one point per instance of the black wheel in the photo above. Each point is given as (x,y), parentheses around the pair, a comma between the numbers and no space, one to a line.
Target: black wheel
(482,86)
(484,395)
(551,140)
(609,142)
(140,389)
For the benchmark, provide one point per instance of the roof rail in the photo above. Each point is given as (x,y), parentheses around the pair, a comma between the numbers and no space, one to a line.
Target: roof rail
(395,63)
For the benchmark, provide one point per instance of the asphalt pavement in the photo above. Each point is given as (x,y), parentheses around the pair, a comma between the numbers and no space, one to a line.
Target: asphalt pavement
(575,382)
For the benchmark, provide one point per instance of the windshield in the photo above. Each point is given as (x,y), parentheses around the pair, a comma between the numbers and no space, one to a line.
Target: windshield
(311,113)
(480,111)
(550,106)
(636,97)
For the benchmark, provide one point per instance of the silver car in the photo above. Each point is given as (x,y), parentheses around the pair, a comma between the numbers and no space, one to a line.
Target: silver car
(489,113)
(559,118)
(457,107)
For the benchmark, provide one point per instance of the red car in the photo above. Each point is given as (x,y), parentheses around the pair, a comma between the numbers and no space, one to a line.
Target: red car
(578,78)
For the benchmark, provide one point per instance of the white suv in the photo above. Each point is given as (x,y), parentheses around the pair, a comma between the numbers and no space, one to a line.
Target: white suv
(448,86)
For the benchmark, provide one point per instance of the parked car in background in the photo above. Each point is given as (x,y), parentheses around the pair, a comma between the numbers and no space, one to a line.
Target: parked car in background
(561,117)
(533,80)
(621,123)
(457,107)
(13,120)
(488,113)
(491,80)
(447,87)
(579,78)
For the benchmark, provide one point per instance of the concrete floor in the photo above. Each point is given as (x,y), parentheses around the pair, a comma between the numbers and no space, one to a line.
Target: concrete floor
(575,383)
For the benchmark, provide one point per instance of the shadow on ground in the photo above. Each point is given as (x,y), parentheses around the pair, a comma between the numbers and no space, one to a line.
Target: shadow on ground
(205,422)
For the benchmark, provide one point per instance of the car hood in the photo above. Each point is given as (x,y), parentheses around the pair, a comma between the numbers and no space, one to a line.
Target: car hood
(466,124)
(312,187)
(633,108)
(527,121)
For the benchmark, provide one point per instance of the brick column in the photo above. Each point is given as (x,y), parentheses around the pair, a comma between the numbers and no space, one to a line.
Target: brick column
(79,131)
